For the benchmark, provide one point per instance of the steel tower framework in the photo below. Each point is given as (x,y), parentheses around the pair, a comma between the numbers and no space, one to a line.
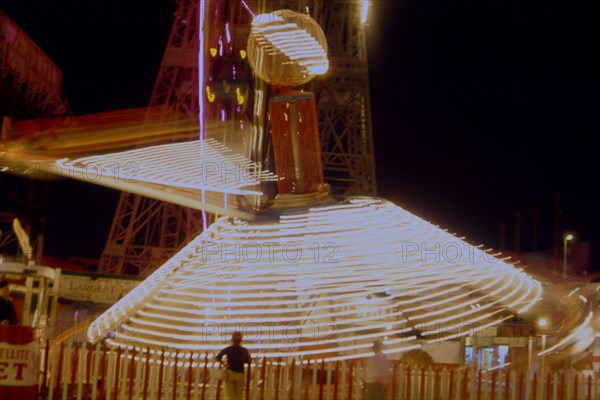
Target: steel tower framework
(343,101)
(30,82)
(30,87)
(145,232)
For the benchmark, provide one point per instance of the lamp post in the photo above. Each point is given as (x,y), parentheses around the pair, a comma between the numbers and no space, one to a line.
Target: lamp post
(543,324)
(529,348)
(566,239)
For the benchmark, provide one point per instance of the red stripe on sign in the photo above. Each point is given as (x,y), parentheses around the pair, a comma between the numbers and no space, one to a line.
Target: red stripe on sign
(19,392)
(16,334)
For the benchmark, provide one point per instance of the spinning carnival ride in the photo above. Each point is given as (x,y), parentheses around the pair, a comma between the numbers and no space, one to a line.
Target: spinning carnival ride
(301,273)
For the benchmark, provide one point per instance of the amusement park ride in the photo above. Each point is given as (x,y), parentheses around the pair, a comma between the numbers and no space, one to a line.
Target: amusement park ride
(302,271)
(145,231)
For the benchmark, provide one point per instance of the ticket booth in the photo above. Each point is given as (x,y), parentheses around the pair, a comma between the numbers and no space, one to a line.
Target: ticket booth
(34,291)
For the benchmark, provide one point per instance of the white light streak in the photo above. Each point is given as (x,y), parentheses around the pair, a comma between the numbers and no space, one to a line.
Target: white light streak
(304,306)
(583,333)
(199,164)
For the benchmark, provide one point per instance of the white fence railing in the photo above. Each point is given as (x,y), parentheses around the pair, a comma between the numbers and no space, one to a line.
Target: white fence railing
(73,371)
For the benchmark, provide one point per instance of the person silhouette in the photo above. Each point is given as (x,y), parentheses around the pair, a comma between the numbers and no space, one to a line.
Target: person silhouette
(377,374)
(8,315)
(237,356)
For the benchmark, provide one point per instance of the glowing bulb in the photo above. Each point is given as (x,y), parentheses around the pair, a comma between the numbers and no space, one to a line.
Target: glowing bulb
(210,95)
(240,97)
(364,12)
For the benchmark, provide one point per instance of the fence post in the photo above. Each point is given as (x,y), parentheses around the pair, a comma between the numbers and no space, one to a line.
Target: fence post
(205,376)
(350,381)
(131,373)
(359,374)
(291,379)
(561,387)
(432,381)
(436,383)
(102,389)
(315,379)
(44,388)
(336,378)
(400,380)
(146,374)
(408,382)
(321,377)
(506,384)
(96,356)
(451,388)
(59,372)
(88,372)
(534,387)
(520,388)
(263,373)
(493,385)
(277,378)
(160,374)
(479,378)
(394,373)
(248,378)
(575,386)
(174,391)
(422,384)
(117,373)
(190,376)
(589,387)
(306,380)
(74,360)
(465,384)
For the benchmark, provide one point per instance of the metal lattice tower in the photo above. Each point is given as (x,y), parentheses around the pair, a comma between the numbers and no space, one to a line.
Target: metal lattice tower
(30,82)
(146,232)
(30,87)
(343,102)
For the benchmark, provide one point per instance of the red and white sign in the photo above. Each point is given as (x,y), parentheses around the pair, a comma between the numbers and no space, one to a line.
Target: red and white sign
(18,362)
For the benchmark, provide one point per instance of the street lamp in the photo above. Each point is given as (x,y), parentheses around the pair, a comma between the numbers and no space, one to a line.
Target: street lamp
(542,323)
(364,12)
(529,348)
(566,239)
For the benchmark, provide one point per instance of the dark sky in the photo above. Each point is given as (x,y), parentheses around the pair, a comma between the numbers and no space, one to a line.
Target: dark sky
(480,108)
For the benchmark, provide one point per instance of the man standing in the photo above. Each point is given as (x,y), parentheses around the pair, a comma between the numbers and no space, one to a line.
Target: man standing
(378,373)
(237,356)
(8,316)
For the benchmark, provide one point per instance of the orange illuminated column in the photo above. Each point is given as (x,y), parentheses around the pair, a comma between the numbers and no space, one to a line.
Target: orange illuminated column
(287,49)
(295,134)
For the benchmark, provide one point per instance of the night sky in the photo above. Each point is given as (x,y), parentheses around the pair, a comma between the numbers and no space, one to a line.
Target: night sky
(480,108)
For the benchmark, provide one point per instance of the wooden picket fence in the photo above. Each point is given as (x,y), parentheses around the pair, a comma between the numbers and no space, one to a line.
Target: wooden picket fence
(73,371)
